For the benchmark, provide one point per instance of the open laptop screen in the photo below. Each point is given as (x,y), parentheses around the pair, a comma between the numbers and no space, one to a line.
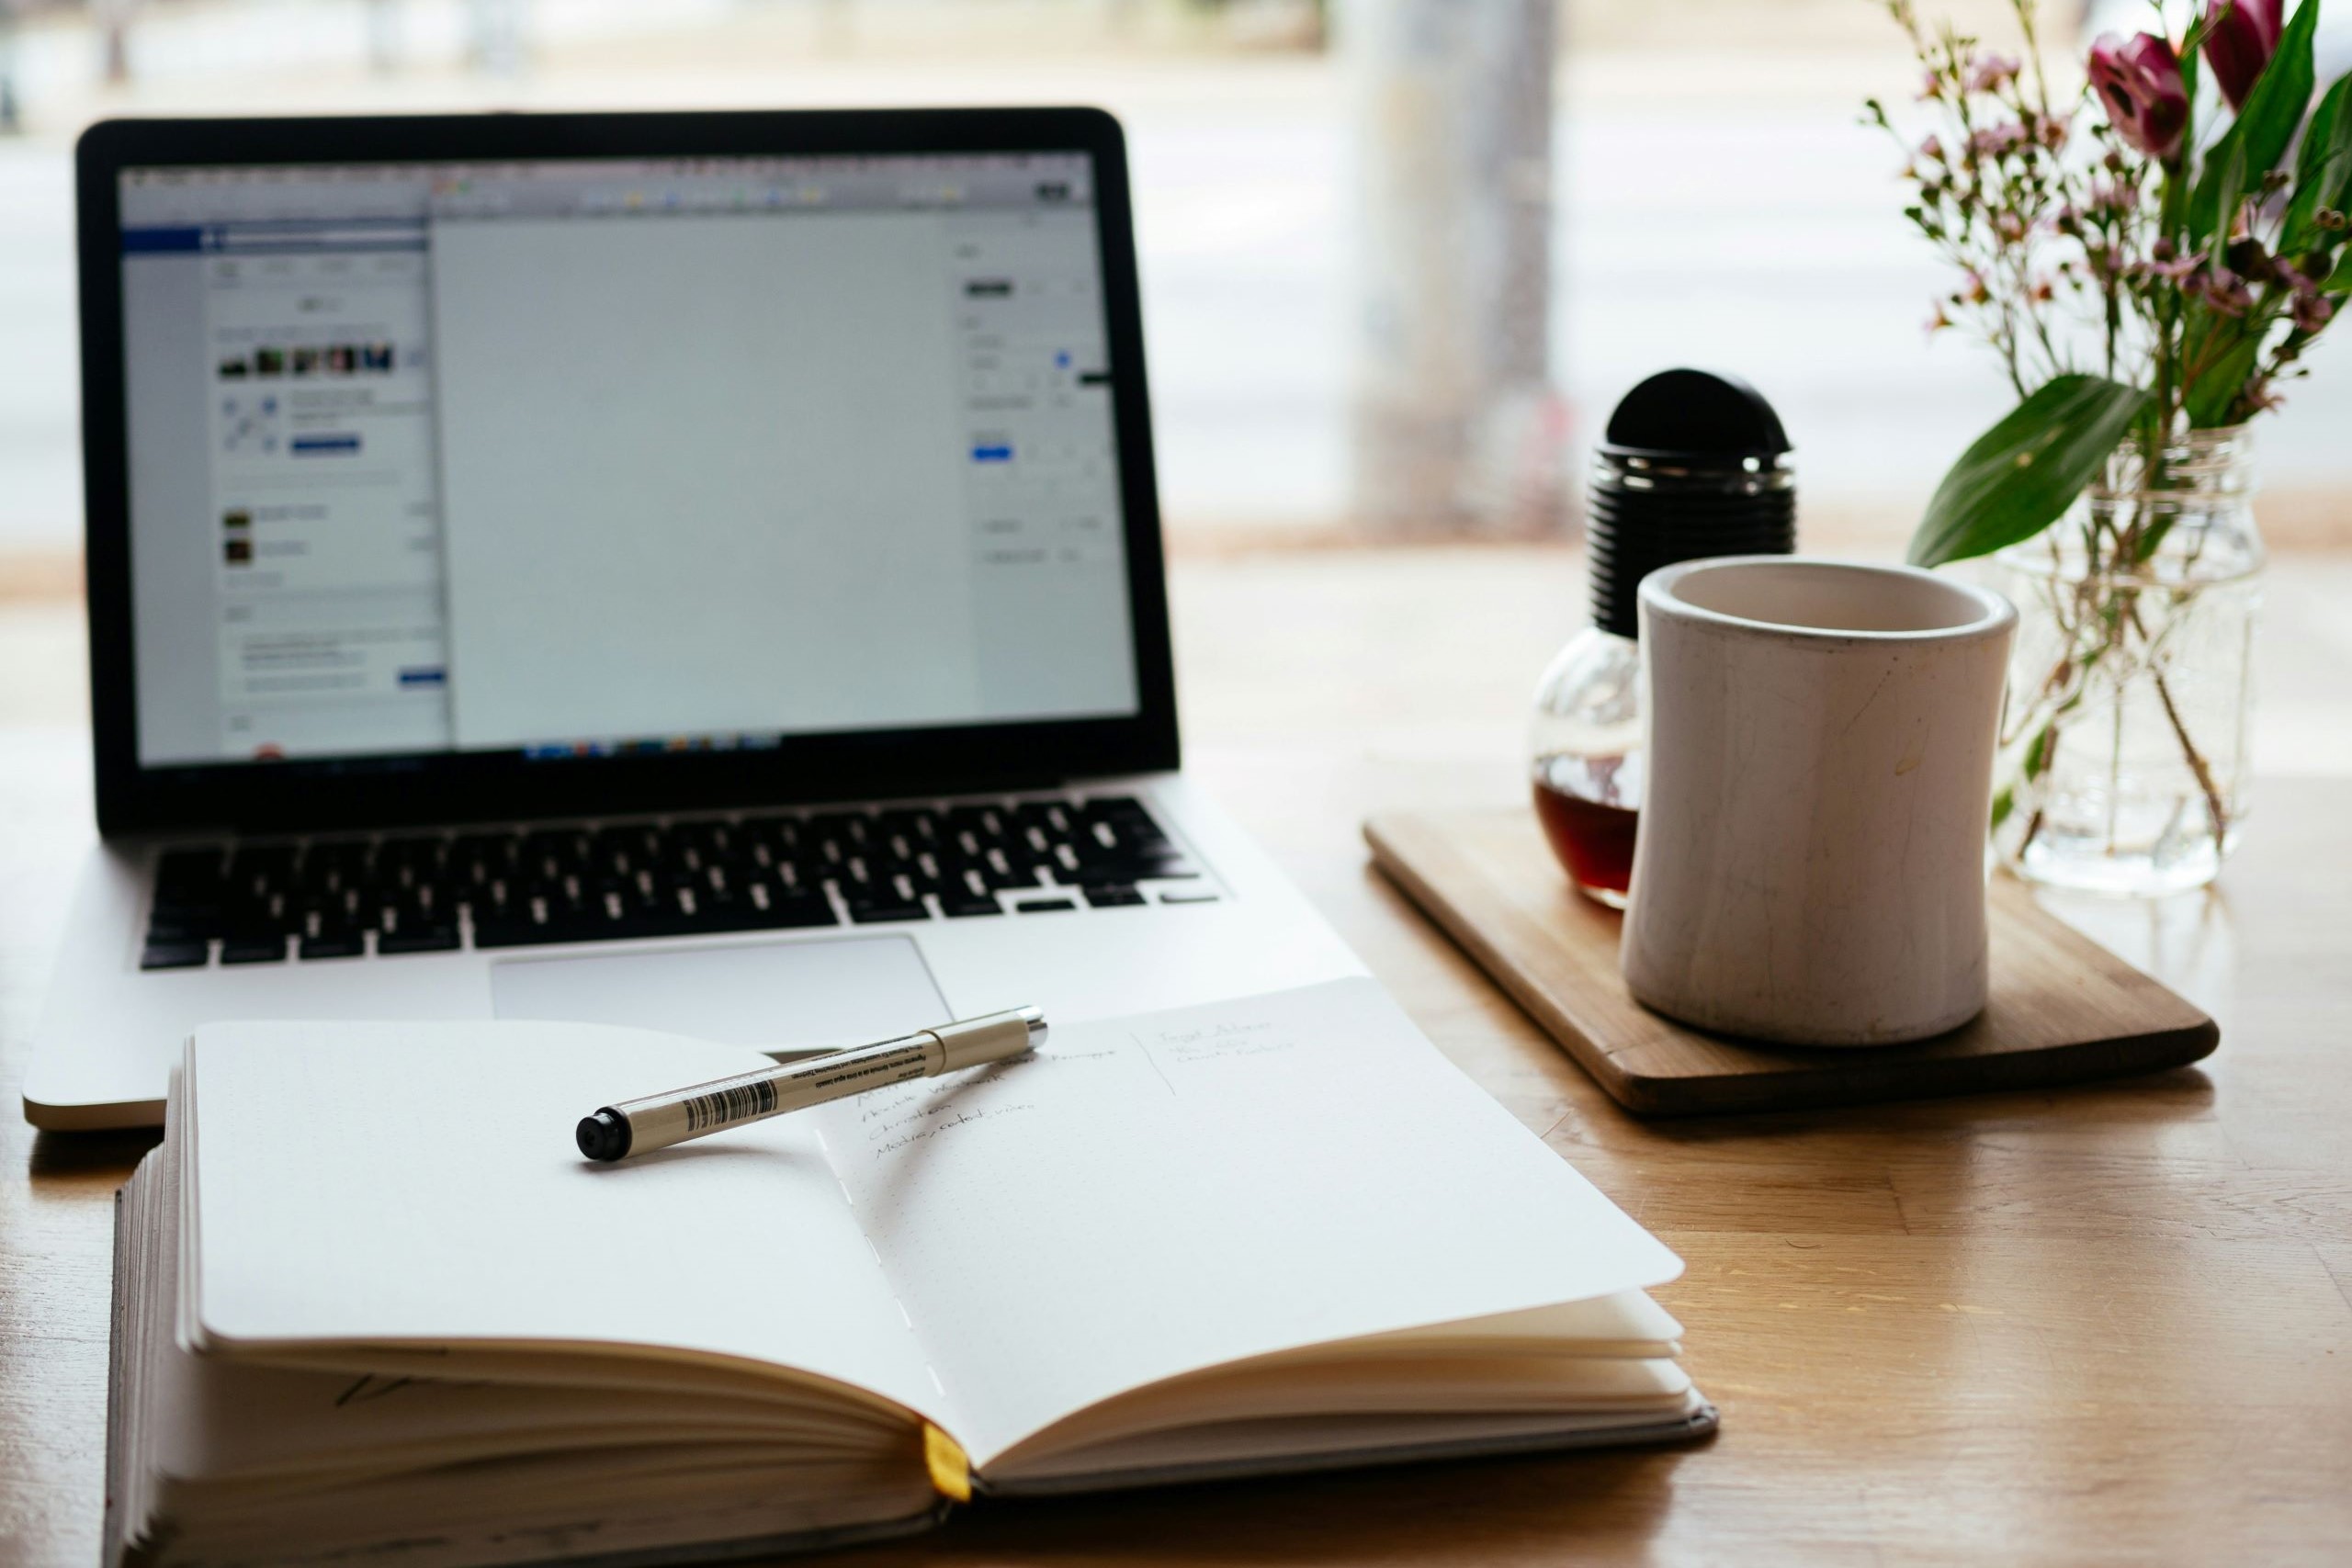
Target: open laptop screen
(590,457)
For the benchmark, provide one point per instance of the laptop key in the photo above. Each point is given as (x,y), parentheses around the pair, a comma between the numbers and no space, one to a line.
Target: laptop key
(253,950)
(964,906)
(750,915)
(871,910)
(526,927)
(851,830)
(917,827)
(480,857)
(508,932)
(1044,906)
(418,939)
(1001,870)
(181,926)
(1112,897)
(173,956)
(331,945)
(806,908)
(985,823)
(782,837)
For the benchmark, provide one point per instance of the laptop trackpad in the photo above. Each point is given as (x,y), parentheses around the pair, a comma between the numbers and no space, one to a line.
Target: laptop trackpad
(764,994)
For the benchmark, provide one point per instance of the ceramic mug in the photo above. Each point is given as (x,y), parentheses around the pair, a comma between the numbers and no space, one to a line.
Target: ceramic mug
(1811,862)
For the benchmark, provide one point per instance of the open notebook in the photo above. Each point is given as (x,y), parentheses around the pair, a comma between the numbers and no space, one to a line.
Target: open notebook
(371,1302)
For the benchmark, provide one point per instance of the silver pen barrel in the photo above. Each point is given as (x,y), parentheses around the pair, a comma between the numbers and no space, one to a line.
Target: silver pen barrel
(657,1121)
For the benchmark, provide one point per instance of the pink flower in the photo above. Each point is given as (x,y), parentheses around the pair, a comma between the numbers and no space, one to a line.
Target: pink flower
(1995,70)
(2138,81)
(2115,196)
(1932,149)
(1996,139)
(2226,291)
(2310,308)
(2244,38)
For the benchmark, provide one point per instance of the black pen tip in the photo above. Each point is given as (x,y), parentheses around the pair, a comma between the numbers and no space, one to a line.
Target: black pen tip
(604,1135)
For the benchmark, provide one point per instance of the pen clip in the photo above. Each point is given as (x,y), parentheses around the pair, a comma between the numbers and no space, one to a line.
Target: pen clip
(803,1052)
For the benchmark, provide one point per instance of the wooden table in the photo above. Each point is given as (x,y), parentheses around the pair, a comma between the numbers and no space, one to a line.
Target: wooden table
(2109,1325)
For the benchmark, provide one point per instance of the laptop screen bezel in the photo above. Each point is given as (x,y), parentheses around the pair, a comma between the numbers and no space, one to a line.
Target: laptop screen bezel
(360,793)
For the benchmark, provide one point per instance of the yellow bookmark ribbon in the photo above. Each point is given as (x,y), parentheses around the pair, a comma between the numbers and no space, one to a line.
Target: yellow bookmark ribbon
(951,1468)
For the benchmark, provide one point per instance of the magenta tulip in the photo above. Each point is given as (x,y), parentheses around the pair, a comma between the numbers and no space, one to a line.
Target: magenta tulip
(2138,80)
(2244,38)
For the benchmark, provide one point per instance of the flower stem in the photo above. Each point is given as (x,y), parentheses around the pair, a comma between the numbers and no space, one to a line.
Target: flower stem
(2214,810)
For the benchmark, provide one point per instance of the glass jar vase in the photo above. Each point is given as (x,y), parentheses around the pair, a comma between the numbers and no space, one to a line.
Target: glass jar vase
(2124,744)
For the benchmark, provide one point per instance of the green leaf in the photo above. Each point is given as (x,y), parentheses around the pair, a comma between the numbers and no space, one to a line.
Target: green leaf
(2037,753)
(2264,126)
(2176,181)
(2003,804)
(2027,469)
(2323,169)
(2210,396)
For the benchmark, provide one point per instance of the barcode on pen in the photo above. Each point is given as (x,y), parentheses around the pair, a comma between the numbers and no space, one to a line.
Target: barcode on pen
(722,1106)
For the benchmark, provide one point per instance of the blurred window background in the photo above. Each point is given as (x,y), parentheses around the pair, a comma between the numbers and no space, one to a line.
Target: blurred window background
(1399,257)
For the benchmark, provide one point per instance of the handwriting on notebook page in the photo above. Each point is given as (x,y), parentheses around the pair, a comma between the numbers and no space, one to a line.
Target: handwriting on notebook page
(1217,1042)
(906,1114)
(903,1116)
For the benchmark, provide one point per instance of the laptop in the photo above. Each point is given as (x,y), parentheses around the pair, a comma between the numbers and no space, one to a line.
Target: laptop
(692,570)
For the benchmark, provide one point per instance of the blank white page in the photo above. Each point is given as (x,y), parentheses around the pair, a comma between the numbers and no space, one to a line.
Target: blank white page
(383,1182)
(1152,1196)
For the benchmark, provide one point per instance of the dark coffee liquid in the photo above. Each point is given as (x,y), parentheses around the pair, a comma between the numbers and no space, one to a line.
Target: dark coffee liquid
(1593,839)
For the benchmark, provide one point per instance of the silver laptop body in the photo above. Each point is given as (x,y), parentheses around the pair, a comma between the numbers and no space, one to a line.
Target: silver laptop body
(699,572)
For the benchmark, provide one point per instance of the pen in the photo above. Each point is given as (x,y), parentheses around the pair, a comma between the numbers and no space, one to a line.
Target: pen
(657,1121)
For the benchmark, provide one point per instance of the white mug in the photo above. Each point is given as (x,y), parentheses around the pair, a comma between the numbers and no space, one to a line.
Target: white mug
(1810,865)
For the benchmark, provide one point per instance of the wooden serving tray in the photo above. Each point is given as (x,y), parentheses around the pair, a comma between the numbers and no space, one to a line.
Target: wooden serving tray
(2064,1009)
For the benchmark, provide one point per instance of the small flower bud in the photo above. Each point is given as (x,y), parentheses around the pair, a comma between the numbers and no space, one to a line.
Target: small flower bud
(2248,258)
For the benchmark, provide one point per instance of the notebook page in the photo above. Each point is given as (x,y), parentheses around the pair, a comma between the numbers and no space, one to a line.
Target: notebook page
(384,1181)
(1151,1196)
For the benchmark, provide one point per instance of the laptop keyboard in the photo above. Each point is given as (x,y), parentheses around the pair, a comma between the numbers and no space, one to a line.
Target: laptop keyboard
(430,892)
